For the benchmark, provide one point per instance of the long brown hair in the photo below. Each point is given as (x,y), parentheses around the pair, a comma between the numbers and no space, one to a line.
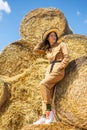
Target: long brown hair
(45,42)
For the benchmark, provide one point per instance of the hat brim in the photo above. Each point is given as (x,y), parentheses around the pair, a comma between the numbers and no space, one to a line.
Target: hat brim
(49,31)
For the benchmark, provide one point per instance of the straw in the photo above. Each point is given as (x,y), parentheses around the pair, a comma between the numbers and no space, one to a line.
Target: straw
(70,94)
(24,105)
(37,21)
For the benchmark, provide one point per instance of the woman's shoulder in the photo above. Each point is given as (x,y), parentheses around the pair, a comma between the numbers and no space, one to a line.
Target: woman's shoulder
(62,44)
(58,44)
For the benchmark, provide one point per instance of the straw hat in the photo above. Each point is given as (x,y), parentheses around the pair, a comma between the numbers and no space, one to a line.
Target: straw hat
(49,30)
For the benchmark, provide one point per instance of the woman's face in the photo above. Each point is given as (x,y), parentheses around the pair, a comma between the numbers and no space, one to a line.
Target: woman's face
(52,38)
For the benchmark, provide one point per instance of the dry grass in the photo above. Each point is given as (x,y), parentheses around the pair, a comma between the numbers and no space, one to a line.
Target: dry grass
(36,22)
(21,70)
(24,105)
(70,94)
(77,45)
(18,56)
(15,58)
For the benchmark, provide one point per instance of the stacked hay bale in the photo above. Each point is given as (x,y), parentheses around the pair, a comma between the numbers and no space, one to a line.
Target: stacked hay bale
(77,45)
(36,22)
(70,94)
(25,102)
(16,57)
(22,71)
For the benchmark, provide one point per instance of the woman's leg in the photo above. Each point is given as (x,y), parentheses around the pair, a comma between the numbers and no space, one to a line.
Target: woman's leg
(47,96)
(47,86)
(47,89)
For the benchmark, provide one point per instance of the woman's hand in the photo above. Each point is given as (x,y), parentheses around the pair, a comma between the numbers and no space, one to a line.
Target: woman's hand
(39,51)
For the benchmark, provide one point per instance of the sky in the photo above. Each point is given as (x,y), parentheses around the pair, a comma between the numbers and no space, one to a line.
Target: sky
(13,11)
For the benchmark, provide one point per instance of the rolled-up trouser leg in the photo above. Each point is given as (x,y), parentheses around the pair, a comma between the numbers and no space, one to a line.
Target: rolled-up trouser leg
(47,95)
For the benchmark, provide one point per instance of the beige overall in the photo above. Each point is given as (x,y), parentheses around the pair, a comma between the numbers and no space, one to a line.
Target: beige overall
(55,71)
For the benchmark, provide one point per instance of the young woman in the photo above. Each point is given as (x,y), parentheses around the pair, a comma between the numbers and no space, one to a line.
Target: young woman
(58,56)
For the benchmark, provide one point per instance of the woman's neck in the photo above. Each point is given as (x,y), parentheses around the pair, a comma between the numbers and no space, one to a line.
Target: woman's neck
(52,45)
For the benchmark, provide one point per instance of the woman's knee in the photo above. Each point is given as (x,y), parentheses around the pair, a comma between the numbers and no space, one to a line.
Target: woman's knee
(41,85)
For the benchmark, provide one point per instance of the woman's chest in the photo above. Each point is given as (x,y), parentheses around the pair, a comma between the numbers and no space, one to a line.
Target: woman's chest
(53,52)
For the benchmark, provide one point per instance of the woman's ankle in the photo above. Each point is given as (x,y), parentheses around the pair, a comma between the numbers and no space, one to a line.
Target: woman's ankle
(48,107)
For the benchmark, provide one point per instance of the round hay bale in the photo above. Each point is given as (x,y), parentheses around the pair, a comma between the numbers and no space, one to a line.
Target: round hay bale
(3,92)
(70,97)
(16,57)
(37,21)
(77,45)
